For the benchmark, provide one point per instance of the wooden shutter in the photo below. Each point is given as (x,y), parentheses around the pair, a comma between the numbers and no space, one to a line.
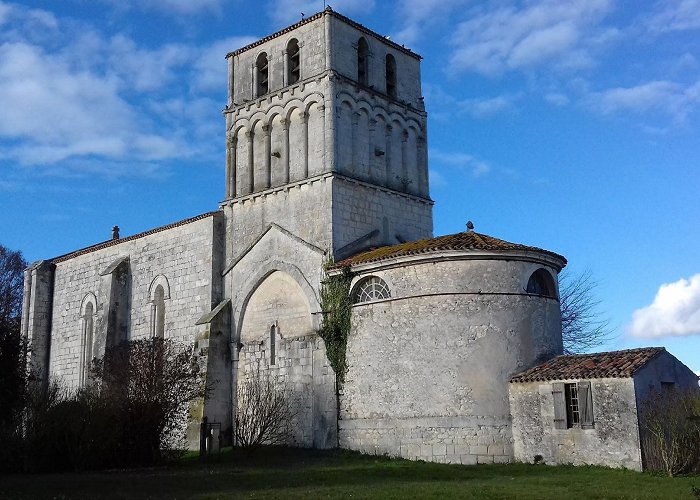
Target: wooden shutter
(559,405)
(585,404)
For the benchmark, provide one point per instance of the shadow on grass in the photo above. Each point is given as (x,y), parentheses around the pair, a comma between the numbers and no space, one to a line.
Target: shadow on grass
(297,473)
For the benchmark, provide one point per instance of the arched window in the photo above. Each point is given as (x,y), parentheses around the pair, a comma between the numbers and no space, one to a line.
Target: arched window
(158,293)
(362,61)
(369,289)
(261,68)
(87,320)
(293,62)
(273,342)
(391,75)
(541,283)
(159,313)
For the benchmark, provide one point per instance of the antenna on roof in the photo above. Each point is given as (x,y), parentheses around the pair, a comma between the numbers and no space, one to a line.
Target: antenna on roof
(302,16)
(470,226)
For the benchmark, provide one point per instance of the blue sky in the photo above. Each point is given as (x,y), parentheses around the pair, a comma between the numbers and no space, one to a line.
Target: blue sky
(573,126)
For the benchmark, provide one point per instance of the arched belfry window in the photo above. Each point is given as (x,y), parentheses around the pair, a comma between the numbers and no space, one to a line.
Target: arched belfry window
(362,61)
(391,75)
(158,293)
(262,74)
(541,283)
(293,62)
(369,289)
(87,323)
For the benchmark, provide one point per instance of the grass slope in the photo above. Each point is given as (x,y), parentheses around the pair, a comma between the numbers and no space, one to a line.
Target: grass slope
(293,473)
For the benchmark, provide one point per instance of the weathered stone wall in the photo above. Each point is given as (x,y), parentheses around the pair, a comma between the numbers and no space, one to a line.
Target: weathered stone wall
(429,368)
(613,442)
(301,367)
(185,255)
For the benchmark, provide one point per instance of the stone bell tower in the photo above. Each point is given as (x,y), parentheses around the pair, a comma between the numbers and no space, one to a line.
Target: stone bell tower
(326,137)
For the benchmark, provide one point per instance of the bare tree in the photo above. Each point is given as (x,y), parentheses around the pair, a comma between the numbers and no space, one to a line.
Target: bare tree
(583,327)
(263,411)
(670,431)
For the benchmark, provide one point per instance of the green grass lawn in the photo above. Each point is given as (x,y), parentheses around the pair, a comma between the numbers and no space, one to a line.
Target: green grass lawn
(293,473)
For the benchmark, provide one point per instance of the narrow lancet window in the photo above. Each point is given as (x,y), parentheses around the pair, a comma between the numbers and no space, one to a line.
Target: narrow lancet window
(362,62)
(273,342)
(261,67)
(159,312)
(87,334)
(391,76)
(293,61)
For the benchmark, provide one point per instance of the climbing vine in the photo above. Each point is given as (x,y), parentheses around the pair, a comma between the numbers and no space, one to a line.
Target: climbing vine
(336,307)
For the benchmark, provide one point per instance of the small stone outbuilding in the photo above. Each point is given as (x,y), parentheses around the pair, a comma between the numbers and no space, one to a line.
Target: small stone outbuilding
(584,409)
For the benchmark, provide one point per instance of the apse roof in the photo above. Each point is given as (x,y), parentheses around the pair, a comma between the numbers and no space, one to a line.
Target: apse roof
(468,240)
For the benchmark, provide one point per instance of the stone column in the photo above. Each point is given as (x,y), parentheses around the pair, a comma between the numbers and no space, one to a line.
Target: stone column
(353,151)
(231,167)
(285,68)
(404,161)
(305,145)
(322,110)
(422,168)
(251,169)
(36,320)
(268,155)
(231,89)
(285,152)
(388,169)
(370,149)
(254,80)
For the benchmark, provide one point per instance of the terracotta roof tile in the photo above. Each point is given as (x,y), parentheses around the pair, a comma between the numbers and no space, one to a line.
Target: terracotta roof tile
(459,241)
(309,19)
(109,243)
(614,364)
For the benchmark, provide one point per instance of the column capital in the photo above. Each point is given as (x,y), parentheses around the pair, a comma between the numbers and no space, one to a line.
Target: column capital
(285,123)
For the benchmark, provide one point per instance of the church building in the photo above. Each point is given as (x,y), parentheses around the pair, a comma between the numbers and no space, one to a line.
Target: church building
(326,157)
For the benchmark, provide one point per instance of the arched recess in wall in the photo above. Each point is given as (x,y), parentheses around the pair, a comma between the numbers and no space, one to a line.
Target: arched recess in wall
(369,289)
(541,283)
(280,301)
(158,293)
(316,136)
(262,74)
(88,311)
(390,73)
(293,61)
(362,61)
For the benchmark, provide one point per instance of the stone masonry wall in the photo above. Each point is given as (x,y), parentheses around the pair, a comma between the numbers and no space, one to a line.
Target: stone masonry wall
(183,254)
(429,368)
(613,442)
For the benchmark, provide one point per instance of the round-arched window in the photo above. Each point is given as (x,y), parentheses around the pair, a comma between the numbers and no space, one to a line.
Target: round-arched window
(541,283)
(369,289)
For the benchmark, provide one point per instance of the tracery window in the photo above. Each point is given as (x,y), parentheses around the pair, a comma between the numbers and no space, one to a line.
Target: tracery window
(293,61)
(391,75)
(362,61)
(262,69)
(369,289)
(541,283)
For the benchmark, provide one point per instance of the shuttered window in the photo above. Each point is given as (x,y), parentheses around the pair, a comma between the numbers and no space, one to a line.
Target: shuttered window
(573,405)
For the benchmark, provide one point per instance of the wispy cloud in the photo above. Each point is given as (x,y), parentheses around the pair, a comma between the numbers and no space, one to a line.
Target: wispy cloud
(75,94)
(662,97)
(461,161)
(485,107)
(171,7)
(493,41)
(289,11)
(675,311)
(418,16)
(675,15)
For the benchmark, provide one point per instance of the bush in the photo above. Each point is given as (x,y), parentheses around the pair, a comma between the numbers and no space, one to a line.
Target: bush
(670,431)
(132,413)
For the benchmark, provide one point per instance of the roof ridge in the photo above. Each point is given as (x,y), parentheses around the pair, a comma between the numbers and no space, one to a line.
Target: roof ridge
(112,242)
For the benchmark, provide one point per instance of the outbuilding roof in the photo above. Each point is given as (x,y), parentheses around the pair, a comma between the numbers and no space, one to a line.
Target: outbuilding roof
(468,240)
(613,364)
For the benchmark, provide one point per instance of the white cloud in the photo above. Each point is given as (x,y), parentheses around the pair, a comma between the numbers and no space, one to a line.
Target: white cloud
(417,16)
(289,11)
(675,15)
(661,96)
(176,7)
(461,161)
(485,107)
(675,311)
(512,38)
